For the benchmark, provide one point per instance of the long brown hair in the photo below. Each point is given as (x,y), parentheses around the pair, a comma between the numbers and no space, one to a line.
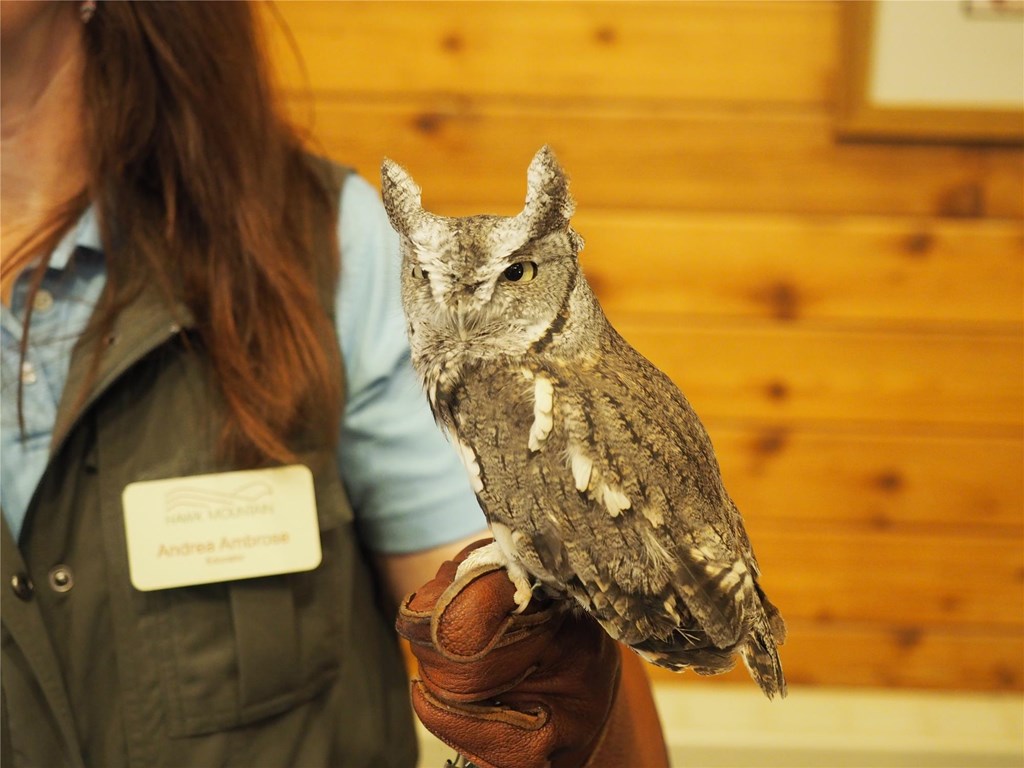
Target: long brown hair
(190,156)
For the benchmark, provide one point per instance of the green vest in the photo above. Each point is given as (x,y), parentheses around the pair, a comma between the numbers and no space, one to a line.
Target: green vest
(295,670)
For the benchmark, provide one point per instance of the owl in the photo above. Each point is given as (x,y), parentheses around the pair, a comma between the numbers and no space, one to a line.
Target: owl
(597,479)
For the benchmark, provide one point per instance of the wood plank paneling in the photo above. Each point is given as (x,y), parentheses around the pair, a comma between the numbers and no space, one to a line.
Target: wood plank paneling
(830,572)
(865,270)
(466,151)
(559,50)
(760,371)
(899,482)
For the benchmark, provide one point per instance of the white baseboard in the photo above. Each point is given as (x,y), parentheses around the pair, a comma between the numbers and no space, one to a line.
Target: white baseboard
(734,726)
(724,725)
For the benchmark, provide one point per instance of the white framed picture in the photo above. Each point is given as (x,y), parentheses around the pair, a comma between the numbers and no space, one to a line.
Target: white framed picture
(933,70)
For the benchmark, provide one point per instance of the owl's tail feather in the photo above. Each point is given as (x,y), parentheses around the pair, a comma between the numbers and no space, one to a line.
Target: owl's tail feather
(761,657)
(693,649)
(775,622)
(760,652)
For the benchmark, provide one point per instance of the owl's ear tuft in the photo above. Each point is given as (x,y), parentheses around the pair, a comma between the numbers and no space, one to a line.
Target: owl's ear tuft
(549,204)
(401,196)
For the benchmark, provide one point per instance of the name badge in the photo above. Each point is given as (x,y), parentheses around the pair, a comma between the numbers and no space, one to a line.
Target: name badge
(220,527)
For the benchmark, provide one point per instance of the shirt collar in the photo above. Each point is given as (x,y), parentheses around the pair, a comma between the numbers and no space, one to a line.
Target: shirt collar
(84,234)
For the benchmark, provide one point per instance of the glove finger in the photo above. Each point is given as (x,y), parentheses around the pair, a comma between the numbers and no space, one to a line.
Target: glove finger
(470,615)
(472,618)
(467,623)
(416,610)
(462,672)
(469,618)
(508,737)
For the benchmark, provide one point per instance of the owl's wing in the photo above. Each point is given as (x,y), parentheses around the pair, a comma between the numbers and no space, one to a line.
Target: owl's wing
(647,468)
(609,484)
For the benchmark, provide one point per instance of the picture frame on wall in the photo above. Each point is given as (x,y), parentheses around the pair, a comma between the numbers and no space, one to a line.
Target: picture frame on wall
(937,70)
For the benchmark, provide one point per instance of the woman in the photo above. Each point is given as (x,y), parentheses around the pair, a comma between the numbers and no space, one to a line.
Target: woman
(173,308)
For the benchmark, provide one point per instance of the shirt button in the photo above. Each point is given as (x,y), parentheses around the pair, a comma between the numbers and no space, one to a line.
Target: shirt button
(43,300)
(22,586)
(61,579)
(28,373)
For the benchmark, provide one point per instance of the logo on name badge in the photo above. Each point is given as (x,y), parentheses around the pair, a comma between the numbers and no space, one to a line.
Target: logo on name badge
(193,502)
(203,529)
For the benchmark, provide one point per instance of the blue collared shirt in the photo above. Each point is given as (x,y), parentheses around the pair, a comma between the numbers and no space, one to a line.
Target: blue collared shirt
(404,479)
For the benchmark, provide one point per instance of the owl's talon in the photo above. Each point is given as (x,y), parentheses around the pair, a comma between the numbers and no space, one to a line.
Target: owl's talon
(491,557)
(523,595)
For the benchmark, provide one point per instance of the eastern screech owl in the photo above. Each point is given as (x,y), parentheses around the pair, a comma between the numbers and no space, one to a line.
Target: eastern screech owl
(597,478)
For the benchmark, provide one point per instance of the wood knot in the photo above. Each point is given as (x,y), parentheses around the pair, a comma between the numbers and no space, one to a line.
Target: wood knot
(428,123)
(880,521)
(770,441)
(966,201)
(776,390)
(950,603)
(889,481)
(453,42)
(782,299)
(908,637)
(1006,677)
(606,35)
(919,244)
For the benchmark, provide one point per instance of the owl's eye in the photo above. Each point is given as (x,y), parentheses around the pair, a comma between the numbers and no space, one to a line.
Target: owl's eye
(521,272)
(418,271)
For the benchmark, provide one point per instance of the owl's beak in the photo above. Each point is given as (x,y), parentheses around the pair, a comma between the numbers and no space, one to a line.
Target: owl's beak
(461,316)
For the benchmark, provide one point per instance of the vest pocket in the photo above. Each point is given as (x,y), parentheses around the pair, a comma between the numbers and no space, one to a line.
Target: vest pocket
(236,652)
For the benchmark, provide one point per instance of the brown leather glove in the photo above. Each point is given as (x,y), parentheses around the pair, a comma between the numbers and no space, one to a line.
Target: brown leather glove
(541,688)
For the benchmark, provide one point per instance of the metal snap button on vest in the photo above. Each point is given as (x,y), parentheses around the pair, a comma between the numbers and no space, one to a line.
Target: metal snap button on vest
(61,579)
(42,301)
(22,586)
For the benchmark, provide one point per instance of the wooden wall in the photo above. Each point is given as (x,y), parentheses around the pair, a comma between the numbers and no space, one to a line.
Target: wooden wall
(847,318)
